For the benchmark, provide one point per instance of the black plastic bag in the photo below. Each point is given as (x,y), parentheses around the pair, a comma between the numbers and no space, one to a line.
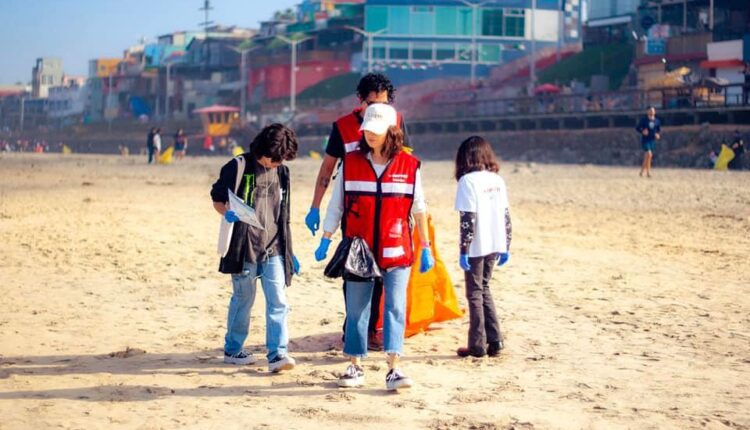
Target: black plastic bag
(360,264)
(335,267)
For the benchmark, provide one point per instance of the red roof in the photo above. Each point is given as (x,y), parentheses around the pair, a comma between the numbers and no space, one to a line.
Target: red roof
(216,109)
(6,93)
(721,64)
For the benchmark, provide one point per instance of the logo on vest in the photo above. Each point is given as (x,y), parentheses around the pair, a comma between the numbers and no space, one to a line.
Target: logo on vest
(396,230)
(399,177)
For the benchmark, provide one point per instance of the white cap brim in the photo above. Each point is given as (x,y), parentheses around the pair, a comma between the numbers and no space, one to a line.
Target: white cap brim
(377,127)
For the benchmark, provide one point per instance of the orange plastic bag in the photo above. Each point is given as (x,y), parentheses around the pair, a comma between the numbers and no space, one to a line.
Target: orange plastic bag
(429,297)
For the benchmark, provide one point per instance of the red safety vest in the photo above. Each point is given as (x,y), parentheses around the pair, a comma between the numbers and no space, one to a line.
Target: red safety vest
(348,126)
(377,209)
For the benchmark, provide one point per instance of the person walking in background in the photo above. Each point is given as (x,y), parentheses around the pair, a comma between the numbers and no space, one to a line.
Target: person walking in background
(157,145)
(738,146)
(650,129)
(377,189)
(485,235)
(180,144)
(260,179)
(150,144)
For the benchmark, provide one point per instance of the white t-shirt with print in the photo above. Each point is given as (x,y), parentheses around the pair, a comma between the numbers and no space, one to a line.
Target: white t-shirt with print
(485,194)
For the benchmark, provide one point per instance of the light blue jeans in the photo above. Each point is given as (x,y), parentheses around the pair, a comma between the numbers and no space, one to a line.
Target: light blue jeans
(271,274)
(358,299)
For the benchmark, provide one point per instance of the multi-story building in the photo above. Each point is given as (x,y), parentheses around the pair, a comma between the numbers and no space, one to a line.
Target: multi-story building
(610,20)
(421,39)
(66,102)
(46,73)
(102,71)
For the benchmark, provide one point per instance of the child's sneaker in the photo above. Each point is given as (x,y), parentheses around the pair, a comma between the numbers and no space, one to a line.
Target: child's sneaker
(353,377)
(242,357)
(395,380)
(281,362)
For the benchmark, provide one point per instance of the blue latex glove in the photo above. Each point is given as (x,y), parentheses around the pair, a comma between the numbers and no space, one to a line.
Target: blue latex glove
(312,220)
(463,261)
(322,251)
(503,258)
(427,261)
(295,264)
(230,216)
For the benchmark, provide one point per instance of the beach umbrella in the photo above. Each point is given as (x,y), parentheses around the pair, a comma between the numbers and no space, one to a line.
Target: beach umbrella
(547,89)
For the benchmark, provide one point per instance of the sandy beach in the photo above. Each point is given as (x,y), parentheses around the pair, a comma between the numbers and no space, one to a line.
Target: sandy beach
(625,304)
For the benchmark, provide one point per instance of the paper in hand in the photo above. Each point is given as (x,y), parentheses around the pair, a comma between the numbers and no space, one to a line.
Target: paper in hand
(244,212)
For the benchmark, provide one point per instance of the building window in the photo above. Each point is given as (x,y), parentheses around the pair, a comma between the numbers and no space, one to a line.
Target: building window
(464,21)
(421,51)
(376,18)
(515,22)
(398,20)
(492,22)
(378,50)
(398,50)
(445,51)
(464,52)
(422,21)
(489,53)
(446,21)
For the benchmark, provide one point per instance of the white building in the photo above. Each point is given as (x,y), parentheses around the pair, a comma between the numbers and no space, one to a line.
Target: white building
(67,102)
(725,62)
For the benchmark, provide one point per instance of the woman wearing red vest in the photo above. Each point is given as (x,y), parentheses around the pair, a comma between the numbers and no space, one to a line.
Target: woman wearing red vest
(373,198)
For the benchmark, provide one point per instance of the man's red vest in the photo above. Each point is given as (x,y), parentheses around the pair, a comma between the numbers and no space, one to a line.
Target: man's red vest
(377,209)
(348,126)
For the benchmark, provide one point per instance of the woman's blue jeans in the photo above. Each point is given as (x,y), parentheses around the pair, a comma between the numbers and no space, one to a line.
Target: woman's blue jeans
(358,306)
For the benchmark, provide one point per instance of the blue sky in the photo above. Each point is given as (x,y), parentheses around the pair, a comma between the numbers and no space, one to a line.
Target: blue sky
(79,30)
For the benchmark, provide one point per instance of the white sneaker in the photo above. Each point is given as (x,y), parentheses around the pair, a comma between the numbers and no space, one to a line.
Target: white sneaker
(353,377)
(395,380)
(242,357)
(281,362)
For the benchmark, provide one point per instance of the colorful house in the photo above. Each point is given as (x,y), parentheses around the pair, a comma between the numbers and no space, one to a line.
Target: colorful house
(415,40)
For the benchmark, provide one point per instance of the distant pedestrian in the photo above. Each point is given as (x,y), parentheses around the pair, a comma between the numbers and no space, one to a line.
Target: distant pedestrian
(180,144)
(738,146)
(150,144)
(157,144)
(650,129)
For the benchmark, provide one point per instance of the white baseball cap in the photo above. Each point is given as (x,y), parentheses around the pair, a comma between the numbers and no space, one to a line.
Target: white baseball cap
(378,117)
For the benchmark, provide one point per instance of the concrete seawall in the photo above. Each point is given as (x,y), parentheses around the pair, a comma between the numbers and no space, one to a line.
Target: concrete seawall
(686,146)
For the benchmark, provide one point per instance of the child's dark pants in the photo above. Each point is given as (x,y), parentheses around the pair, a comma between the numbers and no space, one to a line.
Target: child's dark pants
(484,326)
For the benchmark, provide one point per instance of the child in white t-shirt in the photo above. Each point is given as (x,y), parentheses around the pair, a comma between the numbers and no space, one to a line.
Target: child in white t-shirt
(482,201)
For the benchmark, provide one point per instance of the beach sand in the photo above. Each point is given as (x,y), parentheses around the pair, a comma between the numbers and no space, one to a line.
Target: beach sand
(625,304)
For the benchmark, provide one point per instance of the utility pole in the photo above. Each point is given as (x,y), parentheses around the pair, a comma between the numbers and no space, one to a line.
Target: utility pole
(108,108)
(243,79)
(168,93)
(205,9)
(532,56)
(293,80)
(560,29)
(474,7)
(23,110)
(369,35)
(711,16)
